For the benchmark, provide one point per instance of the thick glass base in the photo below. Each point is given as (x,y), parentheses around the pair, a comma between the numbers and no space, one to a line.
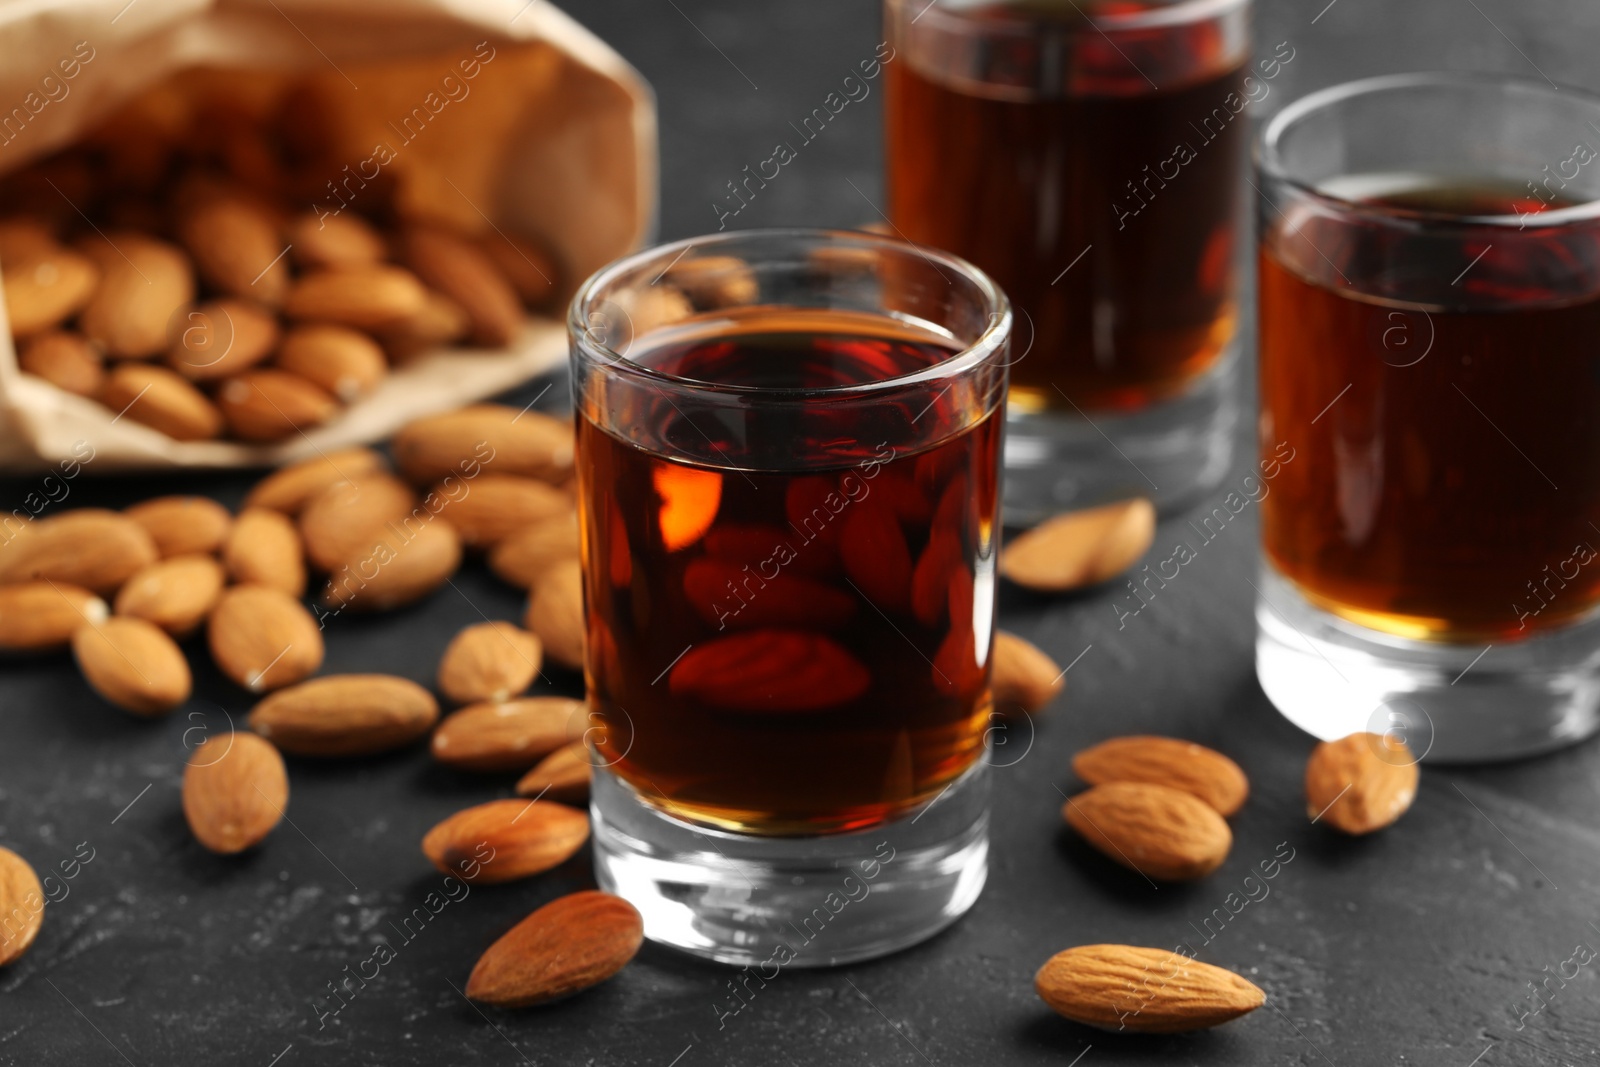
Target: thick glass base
(1450,703)
(794,901)
(1171,452)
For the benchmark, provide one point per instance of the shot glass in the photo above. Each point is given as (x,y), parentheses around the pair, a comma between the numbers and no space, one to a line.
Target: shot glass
(1089,157)
(1430,413)
(789,447)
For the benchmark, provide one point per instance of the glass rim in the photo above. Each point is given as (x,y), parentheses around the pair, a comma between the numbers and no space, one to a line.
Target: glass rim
(997,309)
(1270,163)
(1175,13)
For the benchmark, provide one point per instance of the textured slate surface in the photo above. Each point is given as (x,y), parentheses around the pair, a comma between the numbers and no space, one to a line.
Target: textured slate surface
(1415,947)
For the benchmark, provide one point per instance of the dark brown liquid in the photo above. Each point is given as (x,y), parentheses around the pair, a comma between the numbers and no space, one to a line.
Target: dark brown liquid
(1140,182)
(790,651)
(1452,488)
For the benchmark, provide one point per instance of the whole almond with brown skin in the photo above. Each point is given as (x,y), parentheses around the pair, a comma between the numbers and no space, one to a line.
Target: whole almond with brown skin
(133,664)
(35,616)
(522,556)
(269,405)
(235,790)
(529,267)
(263,638)
(346,715)
(290,489)
(1143,990)
(526,837)
(345,362)
(21,902)
(162,400)
(176,594)
(235,245)
(343,240)
(66,360)
(1360,783)
(455,267)
(508,736)
(91,547)
(221,338)
(489,508)
(1080,548)
(365,298)
(347,519)
(1160,832)
(263,548)
(570,944)
(489,661)
(45,289)
(1183,765)
(563,775)
(555,613)
(484,436)
(438,323)
(143,283)
(183,525)
(406,562)
(1023,676)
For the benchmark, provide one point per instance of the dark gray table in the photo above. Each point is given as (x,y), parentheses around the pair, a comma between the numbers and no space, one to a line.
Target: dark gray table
(1414,947)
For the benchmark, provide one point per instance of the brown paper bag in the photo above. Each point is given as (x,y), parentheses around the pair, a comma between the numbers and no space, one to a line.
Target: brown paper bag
(478,113)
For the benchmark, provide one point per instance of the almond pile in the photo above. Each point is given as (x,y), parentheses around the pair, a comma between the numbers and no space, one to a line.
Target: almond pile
(167,267)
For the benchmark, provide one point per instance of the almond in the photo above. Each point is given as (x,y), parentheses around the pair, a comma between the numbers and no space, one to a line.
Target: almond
(269,405)
(530,268)
(366,298)
(183,525)
(133,664)
(143,284)
(1162,833)
(263,638)
(1080,548)
(347,519)
(342,361)
(235,790)
(455,267)
(570,944)
(45,289)
(175,594)
(66,360)
(1143,990)
(563,775)
(35,616)
(405,563)
(489,661)
(1182,765)
(489,508)
(1023,677)
(510,736)
(235,245)
(555,613)
(522,556)
(263,548)
(220,338)
(492,436)
(342,240)
(290,489)
(90,547)
(715,281)
(345,715)
(22,904)
(161,400)
(439,322)
(1360,783)
(504,840)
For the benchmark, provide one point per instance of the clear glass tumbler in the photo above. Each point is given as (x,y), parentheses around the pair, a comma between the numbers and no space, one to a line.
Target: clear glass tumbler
(1430,421)
(789,448)
(1089,156)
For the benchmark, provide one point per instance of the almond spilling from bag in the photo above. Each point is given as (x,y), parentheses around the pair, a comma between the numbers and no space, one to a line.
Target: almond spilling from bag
(522,557)
(346,715)
(263,548)
(269,405)
(1183,765)
(1143,990)
(509,736)
(344,362)
(162,400)
(342,240)
(44,289)
(484,437)
(345,520)
(36,616)
(487,662)
(1080,548)
(1160,832)
(489,508)
(263,638)
(1023,676)
(555,613)
(504,840)
(405,563)
(1360,783)
(64,359)
(176,594)
(364,298)
(143,283)
(458,269)
(235,245)
(220,338)
(564,775)
(183,525)
(565,947)
(22,904)
(235,790)
(89,547)
(133,664)
(290,489)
